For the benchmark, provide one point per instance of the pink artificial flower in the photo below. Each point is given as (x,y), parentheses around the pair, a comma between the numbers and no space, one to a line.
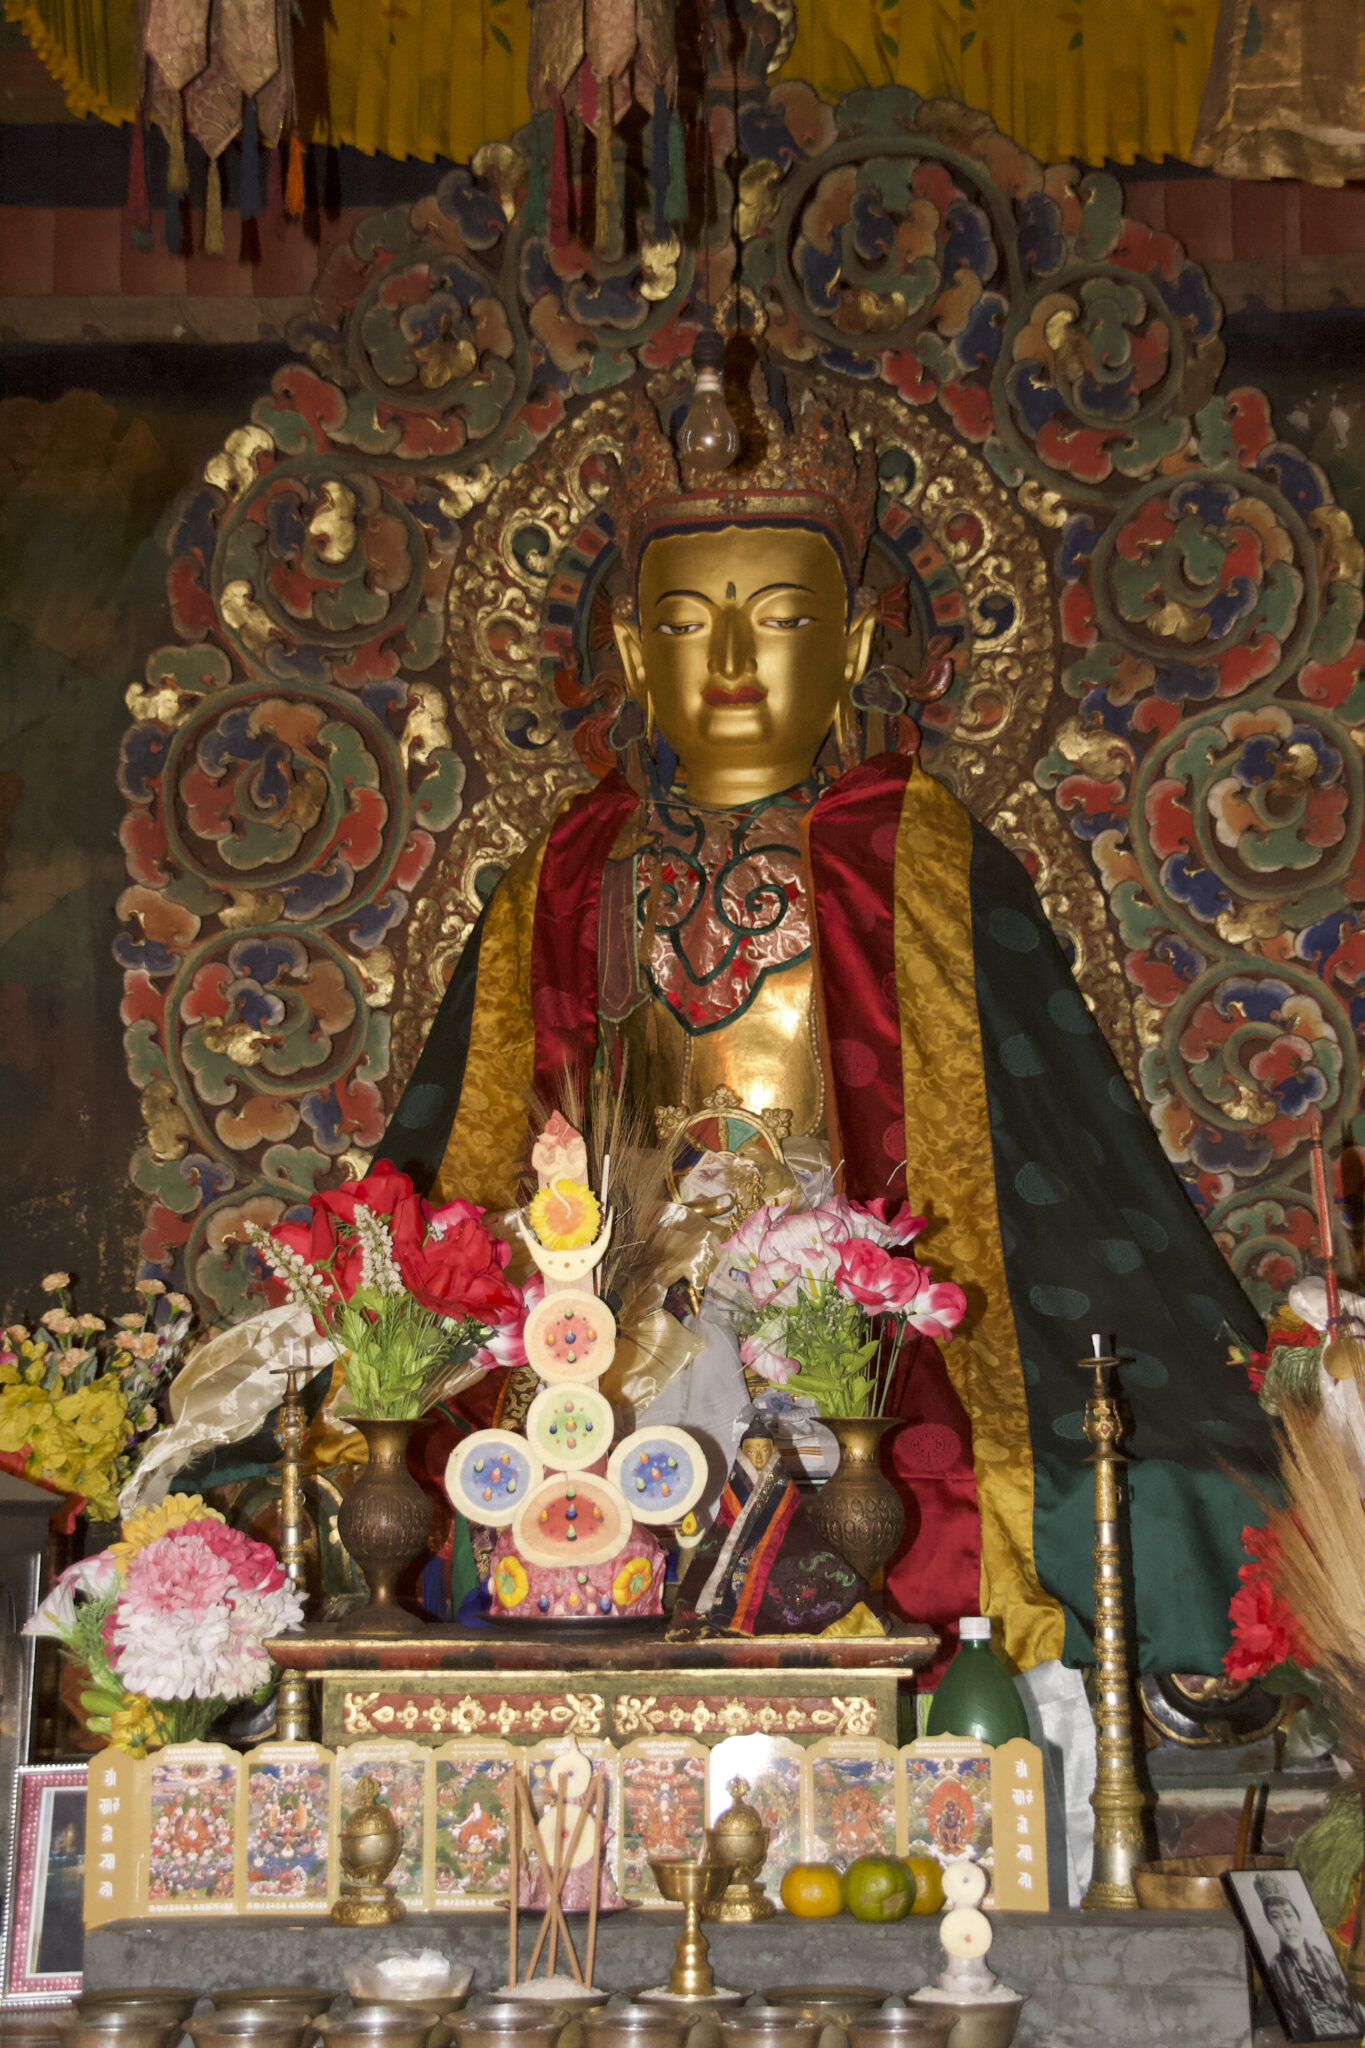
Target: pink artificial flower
(773,1365)
(902,1228)
(868,1274)
(255,1567)
(937,1309)
(177,1575)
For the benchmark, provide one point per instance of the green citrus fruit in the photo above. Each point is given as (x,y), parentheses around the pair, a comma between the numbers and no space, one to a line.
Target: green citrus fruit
(879,1888)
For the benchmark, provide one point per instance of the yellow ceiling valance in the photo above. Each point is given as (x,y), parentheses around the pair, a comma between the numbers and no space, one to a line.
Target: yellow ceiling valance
(1066,78)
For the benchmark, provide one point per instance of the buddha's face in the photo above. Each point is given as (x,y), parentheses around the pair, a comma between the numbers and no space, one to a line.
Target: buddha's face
(743,652)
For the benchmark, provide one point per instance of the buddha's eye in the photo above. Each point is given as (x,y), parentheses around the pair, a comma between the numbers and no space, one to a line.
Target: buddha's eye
(788,625)
(675,627)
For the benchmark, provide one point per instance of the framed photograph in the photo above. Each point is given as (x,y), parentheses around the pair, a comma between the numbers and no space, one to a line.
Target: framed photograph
(44,1910)
(1306,1984)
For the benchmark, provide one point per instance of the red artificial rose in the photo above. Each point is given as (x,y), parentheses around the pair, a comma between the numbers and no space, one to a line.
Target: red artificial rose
(460,1274)
(388,1193)
(336,1259)
(1265,1631)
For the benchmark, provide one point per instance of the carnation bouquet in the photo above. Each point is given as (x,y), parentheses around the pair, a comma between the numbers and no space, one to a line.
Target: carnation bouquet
(170,1623)
(78,1397)
(822,1298)
(414,1298)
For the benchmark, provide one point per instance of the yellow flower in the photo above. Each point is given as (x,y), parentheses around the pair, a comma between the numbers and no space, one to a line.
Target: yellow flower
(149,1287)
(54,1282)
(633,1579)
(145,1525)
(510,1582)
(565,1215)
(131,1726)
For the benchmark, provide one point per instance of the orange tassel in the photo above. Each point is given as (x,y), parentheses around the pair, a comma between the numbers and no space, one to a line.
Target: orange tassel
(293,182)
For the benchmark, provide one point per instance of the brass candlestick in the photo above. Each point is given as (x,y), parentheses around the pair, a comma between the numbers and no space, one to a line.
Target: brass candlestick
(368,1848)
(687,1883)
(1118,1798)
(292,1704)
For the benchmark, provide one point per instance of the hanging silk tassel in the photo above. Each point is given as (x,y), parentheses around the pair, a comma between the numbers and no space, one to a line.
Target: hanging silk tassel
(559,178)
(213,210)
(139,205)
(250,195)
(537,186)
(658,162)
(675,201)
(605,220)
(178,174)
(293,183)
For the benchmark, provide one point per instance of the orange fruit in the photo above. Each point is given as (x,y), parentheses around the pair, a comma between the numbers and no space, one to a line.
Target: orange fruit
(879,1888)
(927,1872)
(812,1891)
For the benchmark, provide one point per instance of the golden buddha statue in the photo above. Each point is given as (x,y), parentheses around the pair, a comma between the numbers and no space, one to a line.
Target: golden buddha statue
(827,932)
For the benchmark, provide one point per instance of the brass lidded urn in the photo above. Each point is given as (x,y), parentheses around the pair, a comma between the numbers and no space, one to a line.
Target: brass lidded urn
(368,1847)
(740,1841)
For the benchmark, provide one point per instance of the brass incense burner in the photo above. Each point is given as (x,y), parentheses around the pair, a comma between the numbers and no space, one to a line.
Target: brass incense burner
(739,1840)
(369,1845)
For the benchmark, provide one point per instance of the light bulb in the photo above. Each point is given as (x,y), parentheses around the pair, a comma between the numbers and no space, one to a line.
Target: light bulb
(708,439)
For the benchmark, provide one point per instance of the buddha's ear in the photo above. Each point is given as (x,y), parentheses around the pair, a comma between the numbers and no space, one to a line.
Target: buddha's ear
(630,647)
(857,645)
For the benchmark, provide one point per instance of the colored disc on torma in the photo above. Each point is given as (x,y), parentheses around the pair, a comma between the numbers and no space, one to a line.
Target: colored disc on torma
(569,1426)
(571,1520)
(661,1473)
(491,1475)
(570,1336)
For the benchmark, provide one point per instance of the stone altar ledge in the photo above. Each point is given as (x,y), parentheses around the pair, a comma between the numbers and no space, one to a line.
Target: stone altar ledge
(1093,1980)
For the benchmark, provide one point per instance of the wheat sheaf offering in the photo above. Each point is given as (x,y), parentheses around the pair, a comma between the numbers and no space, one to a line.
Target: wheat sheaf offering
(574,1512)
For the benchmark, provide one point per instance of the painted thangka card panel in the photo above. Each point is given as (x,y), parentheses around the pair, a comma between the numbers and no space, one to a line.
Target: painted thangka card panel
(663,1809)
(116,1832)
(471,1860)
(852,1801)
(288,1861)
(1019,1828)
(194,1792)
(774,1768)
(603,1760)
(402,1771)
(946,1799)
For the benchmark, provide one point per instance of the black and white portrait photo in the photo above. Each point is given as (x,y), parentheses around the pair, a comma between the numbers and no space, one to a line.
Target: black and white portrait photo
(1306,1983)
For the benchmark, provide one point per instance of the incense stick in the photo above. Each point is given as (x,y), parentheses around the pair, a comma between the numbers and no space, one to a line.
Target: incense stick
(558,1878)
(534,1836)
(1326,1237)
(599,1793)
(514,1901)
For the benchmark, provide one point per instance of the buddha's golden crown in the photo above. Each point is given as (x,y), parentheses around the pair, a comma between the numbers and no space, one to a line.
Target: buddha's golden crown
(806,473)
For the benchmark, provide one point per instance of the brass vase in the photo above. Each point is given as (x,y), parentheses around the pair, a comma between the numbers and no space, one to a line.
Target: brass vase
(859,1512)
(383,1519)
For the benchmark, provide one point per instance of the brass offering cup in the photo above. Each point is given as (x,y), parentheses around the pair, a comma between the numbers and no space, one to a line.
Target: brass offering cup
(379,2026)
(275,2025)
(636,2026)
(146,2001)
(34,2027)
(832,2004)
(110,2028)
(910,2026)
(525,2022)
(687,1882)
(305,1999)
(990,2024)
(768,2026)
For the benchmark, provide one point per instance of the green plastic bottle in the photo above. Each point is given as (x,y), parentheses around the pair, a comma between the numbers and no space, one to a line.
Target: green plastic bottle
(976,1696)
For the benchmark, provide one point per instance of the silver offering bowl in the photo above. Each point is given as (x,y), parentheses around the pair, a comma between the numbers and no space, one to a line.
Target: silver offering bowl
(637,2026)
(112,2028)
(378,2026)
(988,2024)
(768,2026)
(305,1999)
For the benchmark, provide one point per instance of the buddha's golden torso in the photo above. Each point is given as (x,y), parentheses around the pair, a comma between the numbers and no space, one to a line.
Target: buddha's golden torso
(706,969)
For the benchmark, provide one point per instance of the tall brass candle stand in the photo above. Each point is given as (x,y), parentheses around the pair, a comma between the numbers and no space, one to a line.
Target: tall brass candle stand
(291,1428)
(1118,1798)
